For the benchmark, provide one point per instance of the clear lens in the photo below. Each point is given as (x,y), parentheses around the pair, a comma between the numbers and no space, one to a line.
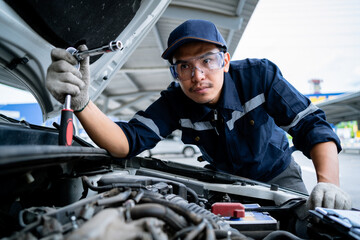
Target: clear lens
(184,70)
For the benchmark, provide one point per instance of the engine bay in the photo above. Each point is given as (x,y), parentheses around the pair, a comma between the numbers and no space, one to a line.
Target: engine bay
(81,192)
(97,197)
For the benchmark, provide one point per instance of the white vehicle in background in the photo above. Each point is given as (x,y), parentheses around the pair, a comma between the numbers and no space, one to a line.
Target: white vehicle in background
(172,144)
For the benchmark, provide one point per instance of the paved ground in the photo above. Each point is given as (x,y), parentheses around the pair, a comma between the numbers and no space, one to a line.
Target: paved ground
(349,174)
(349,171)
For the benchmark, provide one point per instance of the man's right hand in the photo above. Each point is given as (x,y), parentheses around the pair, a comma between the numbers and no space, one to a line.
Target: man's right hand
(328,195)
(64,78)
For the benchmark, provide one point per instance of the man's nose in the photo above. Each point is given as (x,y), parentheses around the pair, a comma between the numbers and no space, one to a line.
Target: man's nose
(197,74)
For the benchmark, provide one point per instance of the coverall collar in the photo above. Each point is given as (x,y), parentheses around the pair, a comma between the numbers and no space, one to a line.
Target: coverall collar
(229,99)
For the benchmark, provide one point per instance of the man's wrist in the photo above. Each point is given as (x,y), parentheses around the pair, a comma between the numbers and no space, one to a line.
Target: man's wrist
(81,109)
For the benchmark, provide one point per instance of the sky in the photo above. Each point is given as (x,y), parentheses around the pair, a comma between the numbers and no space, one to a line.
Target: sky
(8,93)
(307,39)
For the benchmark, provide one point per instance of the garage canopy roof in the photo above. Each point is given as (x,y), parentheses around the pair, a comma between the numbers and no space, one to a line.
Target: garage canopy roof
(139,82)
(346,107)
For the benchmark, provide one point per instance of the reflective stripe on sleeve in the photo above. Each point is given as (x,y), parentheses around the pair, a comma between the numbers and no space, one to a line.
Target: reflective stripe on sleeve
(149,123)
(199,126)
(310,109)
(248,106)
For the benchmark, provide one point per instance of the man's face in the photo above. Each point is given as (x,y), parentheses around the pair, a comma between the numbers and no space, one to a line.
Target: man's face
(202,86)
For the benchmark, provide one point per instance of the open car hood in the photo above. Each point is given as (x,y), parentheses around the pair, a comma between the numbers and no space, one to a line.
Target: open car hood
(30,29)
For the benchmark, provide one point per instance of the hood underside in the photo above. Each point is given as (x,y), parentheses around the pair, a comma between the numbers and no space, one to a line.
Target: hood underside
(34,27)
(69,23)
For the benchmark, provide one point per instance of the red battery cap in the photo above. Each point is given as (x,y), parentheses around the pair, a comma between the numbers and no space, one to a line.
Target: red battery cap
(236,210)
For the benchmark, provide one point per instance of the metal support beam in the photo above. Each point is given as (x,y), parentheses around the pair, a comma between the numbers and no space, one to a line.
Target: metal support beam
(132,94)
(106,105)
(240,7)
(181,13)
(161,47)
(130,103)
(158,39)
(144,70)
(215,7)
(230,37)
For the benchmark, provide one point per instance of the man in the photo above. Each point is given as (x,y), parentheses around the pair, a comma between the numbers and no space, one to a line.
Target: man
(232,110)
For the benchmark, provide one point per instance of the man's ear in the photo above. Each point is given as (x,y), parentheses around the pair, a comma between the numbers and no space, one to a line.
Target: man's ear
(226,61)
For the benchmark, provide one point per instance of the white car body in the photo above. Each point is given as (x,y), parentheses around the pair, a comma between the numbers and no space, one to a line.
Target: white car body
(172,145)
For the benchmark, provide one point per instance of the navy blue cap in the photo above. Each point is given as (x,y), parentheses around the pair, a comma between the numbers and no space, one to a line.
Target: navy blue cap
(190,31)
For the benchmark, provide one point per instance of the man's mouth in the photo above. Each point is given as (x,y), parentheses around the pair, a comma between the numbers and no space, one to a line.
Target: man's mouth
(200,89)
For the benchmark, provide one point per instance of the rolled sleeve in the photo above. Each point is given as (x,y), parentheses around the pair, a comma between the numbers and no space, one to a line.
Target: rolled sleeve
(312,130)
(148,127)
(294,112)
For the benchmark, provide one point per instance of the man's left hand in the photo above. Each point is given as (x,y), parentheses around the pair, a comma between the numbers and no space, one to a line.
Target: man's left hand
(328,195)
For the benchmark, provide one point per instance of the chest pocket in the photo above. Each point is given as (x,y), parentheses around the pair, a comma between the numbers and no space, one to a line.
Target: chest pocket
(254,132)
(252,122)
(189,136)
(199,137)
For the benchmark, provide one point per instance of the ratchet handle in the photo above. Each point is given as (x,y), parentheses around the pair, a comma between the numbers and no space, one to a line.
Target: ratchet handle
(67,128)
(113,46)
(66,123)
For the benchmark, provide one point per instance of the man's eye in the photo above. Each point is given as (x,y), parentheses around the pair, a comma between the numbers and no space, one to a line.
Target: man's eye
(184,66)
(207,60)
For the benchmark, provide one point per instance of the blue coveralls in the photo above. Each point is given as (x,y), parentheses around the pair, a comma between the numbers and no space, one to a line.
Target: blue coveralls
(244,133)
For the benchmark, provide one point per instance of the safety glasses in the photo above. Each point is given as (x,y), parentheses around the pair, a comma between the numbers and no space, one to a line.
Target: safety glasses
(185,70)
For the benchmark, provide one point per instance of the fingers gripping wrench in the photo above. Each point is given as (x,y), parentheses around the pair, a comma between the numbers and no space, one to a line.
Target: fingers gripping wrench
(66,122)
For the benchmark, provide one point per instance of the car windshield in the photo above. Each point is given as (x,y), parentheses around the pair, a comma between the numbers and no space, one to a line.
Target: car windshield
(21,107)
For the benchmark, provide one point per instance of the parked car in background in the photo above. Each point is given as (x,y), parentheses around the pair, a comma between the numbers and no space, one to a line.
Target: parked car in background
(172,144)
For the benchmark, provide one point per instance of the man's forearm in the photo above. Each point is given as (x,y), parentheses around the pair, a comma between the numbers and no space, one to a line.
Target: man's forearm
(325,159)
(103,131)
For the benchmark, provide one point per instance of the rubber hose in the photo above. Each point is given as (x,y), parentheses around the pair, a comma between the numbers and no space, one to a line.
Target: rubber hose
(158,211)
(281,235)
(223,234)
(215,220)
(196,231)
(179,209)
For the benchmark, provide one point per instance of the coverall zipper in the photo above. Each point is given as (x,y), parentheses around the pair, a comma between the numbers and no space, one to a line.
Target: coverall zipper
(216,121)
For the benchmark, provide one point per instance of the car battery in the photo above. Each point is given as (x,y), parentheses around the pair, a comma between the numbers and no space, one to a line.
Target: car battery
(237,216)
(228,209)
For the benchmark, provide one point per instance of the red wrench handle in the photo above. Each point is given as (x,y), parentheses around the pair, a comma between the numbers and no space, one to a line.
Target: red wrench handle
(67,128)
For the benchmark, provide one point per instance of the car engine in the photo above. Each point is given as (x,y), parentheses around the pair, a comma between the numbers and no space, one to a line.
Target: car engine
(92,197)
